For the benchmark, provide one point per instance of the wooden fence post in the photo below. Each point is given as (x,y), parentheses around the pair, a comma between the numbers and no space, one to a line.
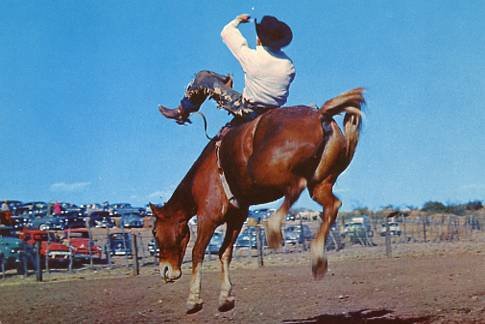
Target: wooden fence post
(47,253)
(135,249)
(71,256)
(108,247)
(2,263)
(38,264)
(156,256)
(259,246)
(88,225)
(388,240)
(424,228)
(25,265)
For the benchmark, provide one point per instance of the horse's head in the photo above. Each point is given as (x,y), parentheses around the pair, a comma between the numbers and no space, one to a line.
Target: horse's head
(172,235)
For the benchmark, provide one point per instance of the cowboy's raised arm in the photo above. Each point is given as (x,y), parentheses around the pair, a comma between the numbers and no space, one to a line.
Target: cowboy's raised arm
(235,41)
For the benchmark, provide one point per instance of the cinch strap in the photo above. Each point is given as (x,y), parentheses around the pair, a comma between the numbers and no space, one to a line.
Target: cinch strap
(232,199)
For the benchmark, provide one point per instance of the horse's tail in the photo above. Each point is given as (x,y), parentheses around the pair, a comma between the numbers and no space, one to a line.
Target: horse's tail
(351,103)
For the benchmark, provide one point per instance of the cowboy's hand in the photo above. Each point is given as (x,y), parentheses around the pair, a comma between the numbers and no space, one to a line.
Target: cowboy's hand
(243,18)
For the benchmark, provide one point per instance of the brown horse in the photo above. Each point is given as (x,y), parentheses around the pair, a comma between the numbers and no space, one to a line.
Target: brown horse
(278,154)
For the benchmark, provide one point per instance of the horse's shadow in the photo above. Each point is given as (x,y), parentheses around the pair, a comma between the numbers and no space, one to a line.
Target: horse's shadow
(361,316)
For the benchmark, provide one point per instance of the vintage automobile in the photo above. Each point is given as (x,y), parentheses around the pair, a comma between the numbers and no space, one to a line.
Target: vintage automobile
(120,244)
(215,243)
(261,214)
(394,229)
(73,219)
(115,209)
(334,239)
(293,234)
(247,238)
(50,246)
(100,218)
(83,247)
(32,208)
(12,205)
(153,248)
(131,219)
(14,253)
(47,223)
(21,221)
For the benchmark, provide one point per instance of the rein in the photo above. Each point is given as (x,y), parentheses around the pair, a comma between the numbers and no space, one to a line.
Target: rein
(205,125)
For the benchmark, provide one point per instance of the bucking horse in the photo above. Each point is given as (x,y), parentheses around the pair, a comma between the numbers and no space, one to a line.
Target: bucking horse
(278,154)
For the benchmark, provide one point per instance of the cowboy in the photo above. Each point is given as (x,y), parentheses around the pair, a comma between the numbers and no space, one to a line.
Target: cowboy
(268,73)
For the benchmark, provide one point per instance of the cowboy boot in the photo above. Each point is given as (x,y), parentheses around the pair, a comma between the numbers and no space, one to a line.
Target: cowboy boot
(228,81)
(180,115)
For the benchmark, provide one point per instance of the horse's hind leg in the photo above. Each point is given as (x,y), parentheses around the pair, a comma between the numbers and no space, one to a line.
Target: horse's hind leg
(274,235)
(235,220)
(322,193)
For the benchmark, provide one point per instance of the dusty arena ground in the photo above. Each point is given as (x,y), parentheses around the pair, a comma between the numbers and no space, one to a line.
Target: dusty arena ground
(421,283)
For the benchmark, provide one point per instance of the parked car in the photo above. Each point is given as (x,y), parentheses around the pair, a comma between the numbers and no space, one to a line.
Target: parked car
(32,208)
(215,243)
(131,220)
(73,219)
(334,240)
(100,218)
(120,244)
(114,209)
(82,246)
(21,221)
(261,214)
(12,205)
(357,233)
(394,229)
(46,223)
(50,247)
(141,211)
(293,234)
(358,223)
(153,247)
(247,238)
(67,207)
(15,253)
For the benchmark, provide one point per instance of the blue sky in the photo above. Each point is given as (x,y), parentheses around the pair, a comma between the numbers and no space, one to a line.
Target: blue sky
(80,82)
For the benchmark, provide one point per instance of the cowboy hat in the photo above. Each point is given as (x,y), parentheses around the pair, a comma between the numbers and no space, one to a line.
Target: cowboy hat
(273,33)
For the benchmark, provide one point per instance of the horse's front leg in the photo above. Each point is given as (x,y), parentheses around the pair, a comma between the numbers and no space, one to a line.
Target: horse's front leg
(234,223)
(204,234)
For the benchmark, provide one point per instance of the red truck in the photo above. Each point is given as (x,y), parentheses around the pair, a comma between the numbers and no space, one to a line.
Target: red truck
(50,245)
(78,239)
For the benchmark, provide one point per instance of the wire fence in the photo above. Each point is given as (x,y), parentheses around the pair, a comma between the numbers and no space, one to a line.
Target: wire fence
(75,250)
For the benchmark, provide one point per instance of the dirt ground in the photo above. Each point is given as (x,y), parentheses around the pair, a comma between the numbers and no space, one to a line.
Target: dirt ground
(421,283)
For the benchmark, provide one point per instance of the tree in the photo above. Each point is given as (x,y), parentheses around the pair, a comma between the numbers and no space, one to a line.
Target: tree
(434,206)
(474,205)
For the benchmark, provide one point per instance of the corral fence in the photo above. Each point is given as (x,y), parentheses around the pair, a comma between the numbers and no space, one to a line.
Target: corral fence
(428,229)
(135,248)
(77,250)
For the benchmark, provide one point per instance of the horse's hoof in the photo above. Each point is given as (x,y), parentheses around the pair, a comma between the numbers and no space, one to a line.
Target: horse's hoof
(194,308)
(319,268)
(227,305)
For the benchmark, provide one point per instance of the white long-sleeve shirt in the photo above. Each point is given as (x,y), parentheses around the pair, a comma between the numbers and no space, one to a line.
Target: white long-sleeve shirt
(267,74)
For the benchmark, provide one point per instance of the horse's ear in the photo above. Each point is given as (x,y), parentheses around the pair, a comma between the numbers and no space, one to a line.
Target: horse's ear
(157,211)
